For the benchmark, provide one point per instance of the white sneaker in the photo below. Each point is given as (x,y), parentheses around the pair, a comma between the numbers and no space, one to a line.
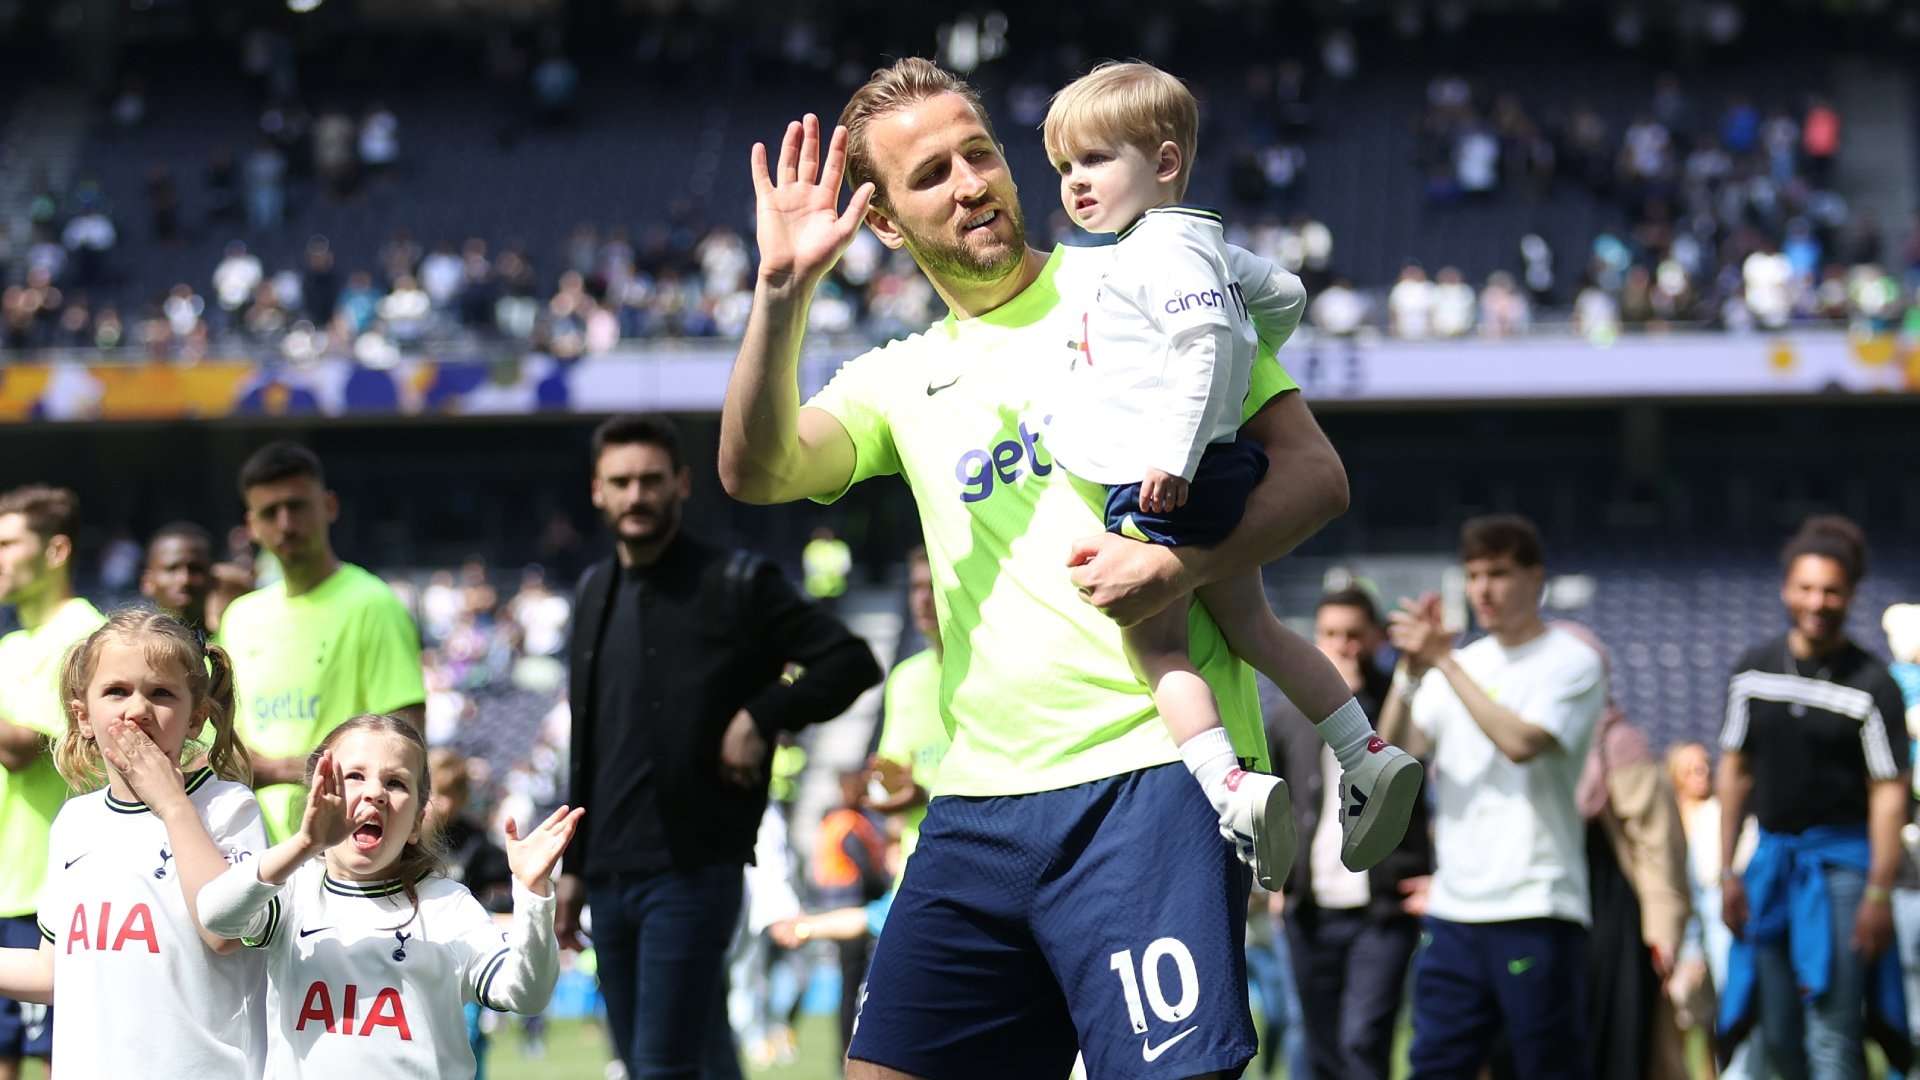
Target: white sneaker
(1377,798)
(1259,822)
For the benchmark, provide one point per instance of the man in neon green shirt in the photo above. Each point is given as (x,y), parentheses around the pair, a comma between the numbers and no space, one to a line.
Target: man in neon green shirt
(327,642)
(37,526)
(913,736)
(1064,867)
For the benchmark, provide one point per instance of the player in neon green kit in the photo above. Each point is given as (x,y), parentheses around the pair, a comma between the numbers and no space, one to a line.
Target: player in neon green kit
(327,642)
(1065,864)
(913,737)
(37,526)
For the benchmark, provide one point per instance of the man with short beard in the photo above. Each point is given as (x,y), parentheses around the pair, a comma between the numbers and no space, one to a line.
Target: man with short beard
(678,652)
(1071,888)
(37,527)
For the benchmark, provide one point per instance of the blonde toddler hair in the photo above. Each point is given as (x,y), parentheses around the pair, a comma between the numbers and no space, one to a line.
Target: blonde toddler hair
(1129,104)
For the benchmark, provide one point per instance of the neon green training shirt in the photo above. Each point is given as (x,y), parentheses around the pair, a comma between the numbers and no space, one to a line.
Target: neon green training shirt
(31,662)
(304,665)
(1035,685)
(914,733)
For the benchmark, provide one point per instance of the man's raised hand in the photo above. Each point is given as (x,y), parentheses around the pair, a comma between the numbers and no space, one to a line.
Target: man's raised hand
(800,233)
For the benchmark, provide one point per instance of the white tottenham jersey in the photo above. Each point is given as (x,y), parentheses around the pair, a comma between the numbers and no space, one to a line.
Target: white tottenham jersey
(359,985)
(1168,350)
(137,992)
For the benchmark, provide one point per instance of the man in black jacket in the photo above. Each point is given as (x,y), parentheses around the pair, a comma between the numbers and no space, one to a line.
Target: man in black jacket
(677,654)
(1350,938)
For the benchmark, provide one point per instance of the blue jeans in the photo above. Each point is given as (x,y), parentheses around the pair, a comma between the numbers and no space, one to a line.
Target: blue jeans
(1270,967)
(662,944)
(1823,1039)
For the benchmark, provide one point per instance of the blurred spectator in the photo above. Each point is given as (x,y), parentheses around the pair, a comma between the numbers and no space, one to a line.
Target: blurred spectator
(90,238)
(555,83)
(1596,315)
(850,870)
(1351,941)
(360,302)
(1504,311)
(1820,141)
(406,311)
(1637,877)
(223,187)
(129,107)
(379,139)
(320,284)
(1338,311)
(1452,304)
(1410,304)
(235,280)
(1703,962)
(266,173)
(163,206)
(541,613)
(440,275)
(336,158)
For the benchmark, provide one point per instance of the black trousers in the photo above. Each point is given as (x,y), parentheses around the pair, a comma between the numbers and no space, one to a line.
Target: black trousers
(1352,972)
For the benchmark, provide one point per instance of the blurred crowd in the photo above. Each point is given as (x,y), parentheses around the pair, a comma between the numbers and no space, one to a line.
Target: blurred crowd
(1730,217)
(1721,212)
(674,283)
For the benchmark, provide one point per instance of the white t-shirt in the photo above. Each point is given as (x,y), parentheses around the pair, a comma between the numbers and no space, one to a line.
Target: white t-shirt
(1335,888)
(1167,353)
(1508,840)
(138,993)
(359,985)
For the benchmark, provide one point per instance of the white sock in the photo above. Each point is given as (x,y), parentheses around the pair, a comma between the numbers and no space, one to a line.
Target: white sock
(1209,757)
(1347,732)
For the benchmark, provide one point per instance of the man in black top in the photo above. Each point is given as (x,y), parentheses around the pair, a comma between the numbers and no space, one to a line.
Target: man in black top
(1816,750)
(676,660)
(1350,938)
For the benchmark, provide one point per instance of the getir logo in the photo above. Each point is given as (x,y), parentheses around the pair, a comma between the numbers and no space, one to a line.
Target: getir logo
(1007,461)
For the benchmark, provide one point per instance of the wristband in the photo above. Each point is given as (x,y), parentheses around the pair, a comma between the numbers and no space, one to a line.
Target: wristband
(1876,894)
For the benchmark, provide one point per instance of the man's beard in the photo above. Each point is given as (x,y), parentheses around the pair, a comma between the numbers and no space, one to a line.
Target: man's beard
(946,260)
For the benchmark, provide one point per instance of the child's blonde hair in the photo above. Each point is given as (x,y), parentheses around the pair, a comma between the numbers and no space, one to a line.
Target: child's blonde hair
(167,640)
(1132,104)
(419,859)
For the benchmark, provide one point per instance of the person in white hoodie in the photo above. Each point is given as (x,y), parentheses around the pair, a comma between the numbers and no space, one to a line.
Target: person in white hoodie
(372,953)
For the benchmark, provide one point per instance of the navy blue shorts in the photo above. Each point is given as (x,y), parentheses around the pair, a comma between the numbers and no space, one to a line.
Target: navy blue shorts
(26,1030)
(1108,917)
(1474,981)
(1216,499)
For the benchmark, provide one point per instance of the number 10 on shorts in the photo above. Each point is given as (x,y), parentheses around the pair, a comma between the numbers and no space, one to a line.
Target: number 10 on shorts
(1162,949)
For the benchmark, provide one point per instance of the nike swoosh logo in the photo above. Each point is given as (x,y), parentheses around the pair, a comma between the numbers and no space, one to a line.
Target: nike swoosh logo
(319,930)
(76,859)
(933,389)
(1520,966)
(1150,1052)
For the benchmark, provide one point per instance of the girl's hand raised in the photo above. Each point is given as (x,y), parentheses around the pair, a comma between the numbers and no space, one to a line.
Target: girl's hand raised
(532,859)
(325,822)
